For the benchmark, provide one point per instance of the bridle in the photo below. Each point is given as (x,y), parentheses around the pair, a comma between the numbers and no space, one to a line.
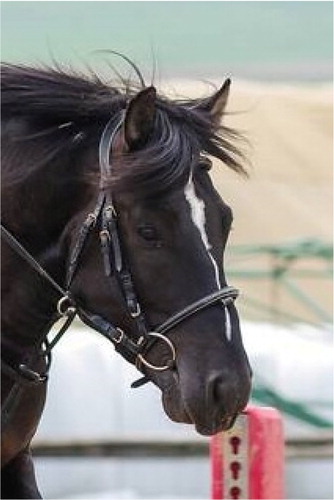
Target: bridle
(104,217)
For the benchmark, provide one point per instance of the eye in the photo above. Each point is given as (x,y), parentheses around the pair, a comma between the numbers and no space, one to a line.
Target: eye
(148,233)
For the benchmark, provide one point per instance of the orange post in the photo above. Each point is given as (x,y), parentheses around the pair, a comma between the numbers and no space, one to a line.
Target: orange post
(248,460)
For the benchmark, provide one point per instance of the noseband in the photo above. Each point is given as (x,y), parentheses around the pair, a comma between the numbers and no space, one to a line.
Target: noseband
(104,217)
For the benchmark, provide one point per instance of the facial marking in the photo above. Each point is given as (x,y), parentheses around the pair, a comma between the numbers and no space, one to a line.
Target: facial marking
(228,324)
(197,211)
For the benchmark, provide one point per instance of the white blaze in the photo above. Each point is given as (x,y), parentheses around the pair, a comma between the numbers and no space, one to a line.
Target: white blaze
(197,210)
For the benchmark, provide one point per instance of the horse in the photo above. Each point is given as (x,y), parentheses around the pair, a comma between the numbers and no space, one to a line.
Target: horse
(109,214)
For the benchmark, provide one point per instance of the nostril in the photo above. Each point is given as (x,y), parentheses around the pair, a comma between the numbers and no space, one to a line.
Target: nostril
(217,392)
(216,389)
(226,396)
(222,395)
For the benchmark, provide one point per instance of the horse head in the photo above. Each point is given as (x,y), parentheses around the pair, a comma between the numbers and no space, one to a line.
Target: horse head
(171,227)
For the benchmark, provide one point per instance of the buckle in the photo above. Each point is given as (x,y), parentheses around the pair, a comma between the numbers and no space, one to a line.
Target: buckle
(120,338)
(31,375)
(104,236)
(137,312)
(110,211)
(91,219)
(65,310)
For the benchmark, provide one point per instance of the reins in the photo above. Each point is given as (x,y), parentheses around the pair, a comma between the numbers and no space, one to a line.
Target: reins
(20,250)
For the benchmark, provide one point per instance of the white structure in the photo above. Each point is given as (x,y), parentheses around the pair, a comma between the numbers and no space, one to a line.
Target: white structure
(90,398)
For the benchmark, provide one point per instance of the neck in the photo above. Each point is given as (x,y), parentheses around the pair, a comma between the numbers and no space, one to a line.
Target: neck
(38,207)
(29,300)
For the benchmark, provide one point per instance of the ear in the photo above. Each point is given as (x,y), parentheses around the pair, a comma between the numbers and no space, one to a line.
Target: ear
(139,118)
(215,105)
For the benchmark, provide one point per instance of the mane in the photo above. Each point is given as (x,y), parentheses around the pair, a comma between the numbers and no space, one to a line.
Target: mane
(65,112)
